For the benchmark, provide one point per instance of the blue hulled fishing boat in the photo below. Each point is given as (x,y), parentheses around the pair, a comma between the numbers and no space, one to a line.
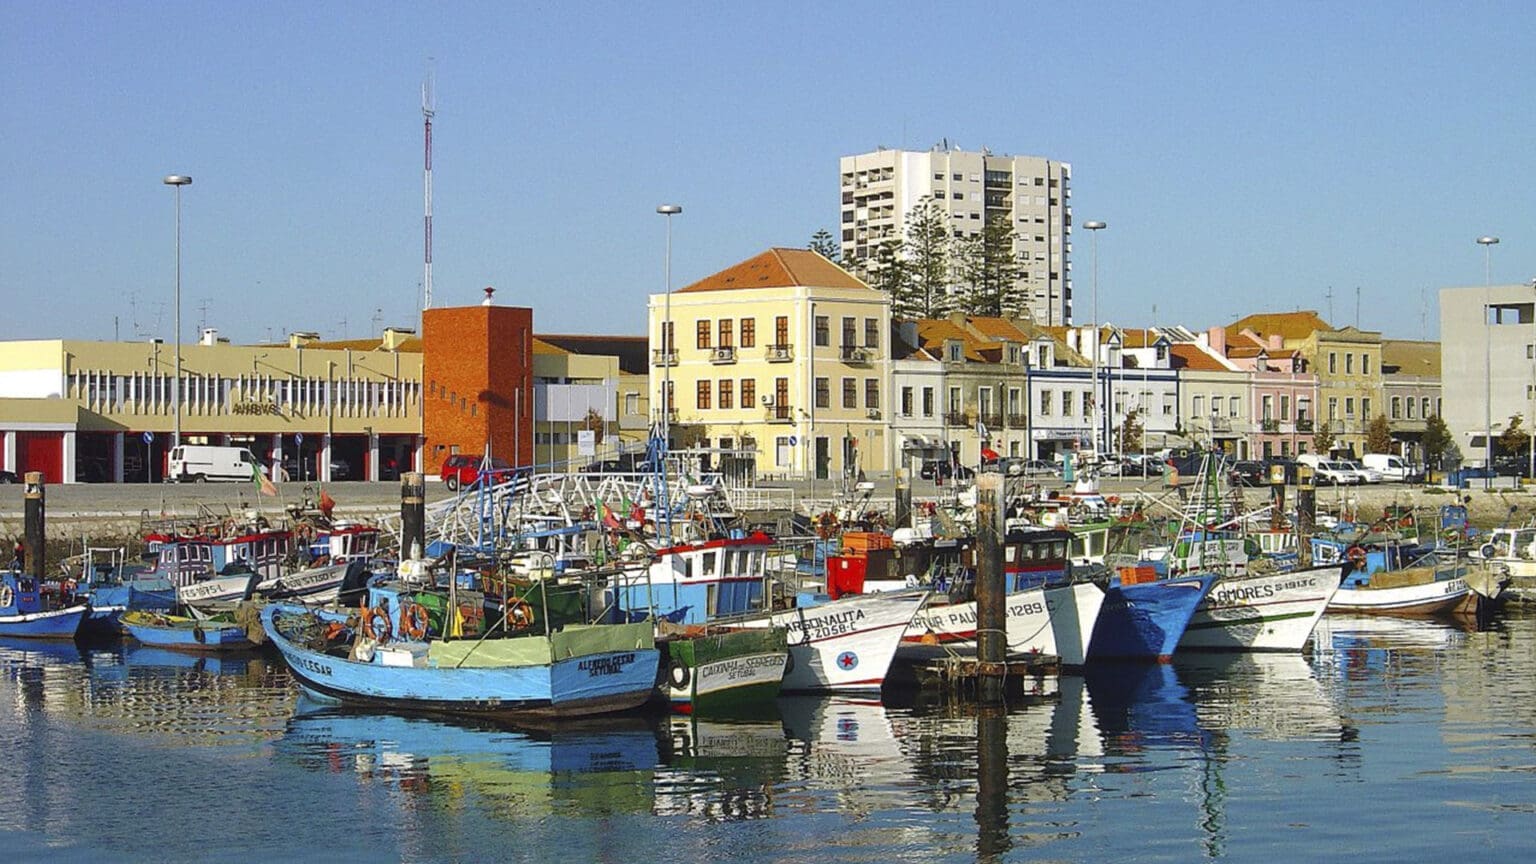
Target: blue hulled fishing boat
(161,630)
(26,612)
(580,670)
(1144,616)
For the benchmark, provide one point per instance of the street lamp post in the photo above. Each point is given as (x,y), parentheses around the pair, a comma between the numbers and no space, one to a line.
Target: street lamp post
(178,181)
(1487,242)
(667,210)
(1095,227)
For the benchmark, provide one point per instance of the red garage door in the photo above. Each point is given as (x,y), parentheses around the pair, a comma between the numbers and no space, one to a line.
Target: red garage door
(41,451)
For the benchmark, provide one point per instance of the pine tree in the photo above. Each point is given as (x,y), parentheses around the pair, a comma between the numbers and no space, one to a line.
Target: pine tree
(1437,439)
(1514,440)
(928,259)
(825,245)
(1322,439)
(991,271)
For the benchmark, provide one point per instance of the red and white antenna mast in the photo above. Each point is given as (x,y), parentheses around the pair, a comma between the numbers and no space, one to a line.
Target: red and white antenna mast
(428,108)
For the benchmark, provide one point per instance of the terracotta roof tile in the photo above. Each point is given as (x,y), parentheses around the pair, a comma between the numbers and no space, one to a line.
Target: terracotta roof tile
(1190,357)
(1288,325)
(779,268)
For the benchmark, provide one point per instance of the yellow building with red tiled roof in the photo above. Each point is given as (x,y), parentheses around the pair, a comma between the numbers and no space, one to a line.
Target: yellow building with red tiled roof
(783,356)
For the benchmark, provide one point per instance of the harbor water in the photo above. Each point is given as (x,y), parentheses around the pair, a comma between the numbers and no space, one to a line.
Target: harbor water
(1393,740)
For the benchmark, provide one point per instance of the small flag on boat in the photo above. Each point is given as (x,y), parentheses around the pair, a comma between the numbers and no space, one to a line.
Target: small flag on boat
(327,503)
(610,521)
(988,454)
(264,485)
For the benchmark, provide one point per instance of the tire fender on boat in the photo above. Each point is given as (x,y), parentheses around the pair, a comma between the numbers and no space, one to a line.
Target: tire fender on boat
(680,675)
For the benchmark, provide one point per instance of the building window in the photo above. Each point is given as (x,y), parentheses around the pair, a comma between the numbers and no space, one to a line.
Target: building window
(1285,407)
(954,352)
(1395,407)
(1013,401)
(823,331)
(749,332)
(872,393)
(668,337)
(1199,406)
(849,333)
(1234,407)
(1349,364)
(906,401)
(703,395)
(782,452)
(781,396)
(1333,408)
(631,403)
(725,334)
(927,401)
(1066,403)
(954,400)
(850,393)
(1408,405)
(727,396)
(1365,364)
(781,331)
(871,333)
(1349,406)
(1333,363)
(1365,409)
(823,393)
(1267,405)
(1424,407)
(702,334)
(1168,406)
(748,392)
(1045,403)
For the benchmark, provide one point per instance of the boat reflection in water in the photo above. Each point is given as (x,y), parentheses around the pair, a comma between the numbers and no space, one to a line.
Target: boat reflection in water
(578,768)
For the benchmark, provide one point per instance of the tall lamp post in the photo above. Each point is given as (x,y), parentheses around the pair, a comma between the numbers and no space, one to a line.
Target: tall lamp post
(667,347)
(1095,227)
(1487,242)
(178,181)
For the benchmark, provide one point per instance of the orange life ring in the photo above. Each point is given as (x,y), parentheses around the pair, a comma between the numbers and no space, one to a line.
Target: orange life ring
(413,621)
(1356,555)
(376,623)
(520,614)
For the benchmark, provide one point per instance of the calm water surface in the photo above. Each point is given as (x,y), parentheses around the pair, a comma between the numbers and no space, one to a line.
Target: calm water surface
(1395,741)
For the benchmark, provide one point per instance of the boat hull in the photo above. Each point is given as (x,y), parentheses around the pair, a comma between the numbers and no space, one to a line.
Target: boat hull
(1272,612)
(52,624)
(723,671)
(845,644)
(1054,621)
(1438,597)
(315,585)
(1145,621)
(184,634)
(585,684)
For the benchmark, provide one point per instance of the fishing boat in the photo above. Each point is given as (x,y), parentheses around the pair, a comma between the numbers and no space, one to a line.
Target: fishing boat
(179,633)
(101,578)
(1388,579)
(1261,612)
(1146,612)
(845,644)
(721,670)
(1046,611)
(577,671)
(25,611)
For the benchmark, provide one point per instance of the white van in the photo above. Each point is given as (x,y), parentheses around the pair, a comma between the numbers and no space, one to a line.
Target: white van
(198,463)
(1391,468)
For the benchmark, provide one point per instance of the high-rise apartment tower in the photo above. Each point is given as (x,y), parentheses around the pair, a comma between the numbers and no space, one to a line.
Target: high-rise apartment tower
(880,190)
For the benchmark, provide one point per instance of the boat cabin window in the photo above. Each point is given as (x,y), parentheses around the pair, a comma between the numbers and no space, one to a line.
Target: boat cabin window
(709,562)
(1010,554)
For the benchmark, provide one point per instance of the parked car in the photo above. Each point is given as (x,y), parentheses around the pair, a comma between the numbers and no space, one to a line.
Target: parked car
(943,469)
(464,470)
(1367,475)
(1248,472)
(1392,468)
(1041,468)
(306,469)
(1327,473)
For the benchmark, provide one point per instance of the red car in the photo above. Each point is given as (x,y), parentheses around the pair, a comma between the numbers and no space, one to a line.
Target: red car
(465,470)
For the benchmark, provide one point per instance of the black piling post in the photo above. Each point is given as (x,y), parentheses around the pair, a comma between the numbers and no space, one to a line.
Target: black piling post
(413,515)
(34,519)
(991,590)
(1306,515)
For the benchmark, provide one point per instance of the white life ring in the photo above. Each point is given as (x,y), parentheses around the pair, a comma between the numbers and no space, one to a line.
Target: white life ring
(5,595)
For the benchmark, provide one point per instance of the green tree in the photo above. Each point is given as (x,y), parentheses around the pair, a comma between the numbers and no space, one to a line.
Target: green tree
(1437,440)
(1378,435)
(1130,431)
(990,271)
(594,422)
(1514,440)
(825,245)
(929,253)
(1322,439)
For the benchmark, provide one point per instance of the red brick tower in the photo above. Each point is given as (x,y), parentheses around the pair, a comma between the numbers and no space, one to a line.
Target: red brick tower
(477,380)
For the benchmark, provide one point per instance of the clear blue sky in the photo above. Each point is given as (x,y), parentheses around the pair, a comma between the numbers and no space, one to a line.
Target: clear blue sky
(1246,159)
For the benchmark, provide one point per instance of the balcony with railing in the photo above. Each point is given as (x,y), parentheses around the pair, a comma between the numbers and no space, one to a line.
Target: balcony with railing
(1304,424)
(660,357)
(723,354)
(992,421)
(778,414)
(857,355)
(779,353)
(1018,421)
(1269,425)
(955,418)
